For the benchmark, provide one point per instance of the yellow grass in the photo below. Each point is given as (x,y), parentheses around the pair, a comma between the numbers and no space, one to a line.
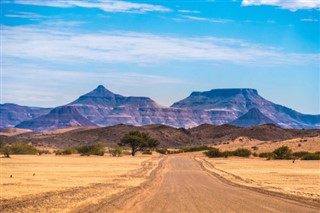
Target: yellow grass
(61,173)
(310,144)
(301,178)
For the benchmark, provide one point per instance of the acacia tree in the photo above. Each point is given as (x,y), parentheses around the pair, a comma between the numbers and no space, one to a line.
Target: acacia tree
(138,141)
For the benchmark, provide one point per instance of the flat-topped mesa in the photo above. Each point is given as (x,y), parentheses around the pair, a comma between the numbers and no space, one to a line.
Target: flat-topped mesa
(226,92)
(221,98)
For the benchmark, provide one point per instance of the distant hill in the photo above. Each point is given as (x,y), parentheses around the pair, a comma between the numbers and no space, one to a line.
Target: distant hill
(101,107)
(168,136)
(13,114)
(252,118)
(57,118)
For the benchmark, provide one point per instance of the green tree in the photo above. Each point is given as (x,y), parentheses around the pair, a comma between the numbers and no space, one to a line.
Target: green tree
(282,152)
(6,152)
(138,141)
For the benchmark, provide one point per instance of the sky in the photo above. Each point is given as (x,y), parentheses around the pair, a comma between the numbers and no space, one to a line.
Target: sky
(53,51)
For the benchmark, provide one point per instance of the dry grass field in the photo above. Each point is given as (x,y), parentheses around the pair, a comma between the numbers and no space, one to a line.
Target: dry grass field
(310,144)
(64,183)
(299,179)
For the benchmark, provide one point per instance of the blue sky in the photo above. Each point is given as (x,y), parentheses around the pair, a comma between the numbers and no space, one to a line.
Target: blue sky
(56,50)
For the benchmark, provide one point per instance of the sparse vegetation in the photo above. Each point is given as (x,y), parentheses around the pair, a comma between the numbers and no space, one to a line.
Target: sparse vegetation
(311,156)
(6,152)
(147,152)
(195,148)
(242,152)
(116,152)
(282,152)
(266,155)
(300,154)
(96,149)
(138,141)
(214,153)
(23,149)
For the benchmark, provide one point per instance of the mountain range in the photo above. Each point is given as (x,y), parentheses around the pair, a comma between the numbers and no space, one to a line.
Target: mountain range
(101,107)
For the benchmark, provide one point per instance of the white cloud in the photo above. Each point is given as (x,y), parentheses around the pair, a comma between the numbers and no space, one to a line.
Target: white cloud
(188,11)
(59,47)
(195,18)
(105,5)
(292,5)
(25,15)
(309,20)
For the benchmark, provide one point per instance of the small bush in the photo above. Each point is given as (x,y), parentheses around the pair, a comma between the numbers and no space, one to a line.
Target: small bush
(254,154)
(266,155)
(147,152)
(242,152)
(96,149)
(195,148)
(282,152)
(116,152)
(46,152)
(227,153)
(162,151)
(311,156)
(213,153)
(6,151)
(23,149)
(299,154)
(67,151)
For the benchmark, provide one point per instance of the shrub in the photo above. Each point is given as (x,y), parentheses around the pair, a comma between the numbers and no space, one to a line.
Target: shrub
(311,156)
(6,152)
(67,151)
(242,152)
(282,152)
(227,153)
(147,152)
(162,151)
(116,152)
(40,152)
(266,155)
(317,153)
(299,154)
(213,153)
(195,148)
(23,149)
(96,149)
(254,154)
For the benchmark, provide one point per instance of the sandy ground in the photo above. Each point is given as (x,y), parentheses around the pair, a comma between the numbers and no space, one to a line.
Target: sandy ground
(183,185)
(311,144)
(175,183)
(13,131)
(300,179)
(64,183)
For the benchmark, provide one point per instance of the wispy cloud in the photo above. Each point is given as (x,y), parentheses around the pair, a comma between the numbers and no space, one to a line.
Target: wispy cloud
(292,5)
(58,46)
(188,11)
(105,5)
(25,15)
(33,84)
(310,20)
(196,18)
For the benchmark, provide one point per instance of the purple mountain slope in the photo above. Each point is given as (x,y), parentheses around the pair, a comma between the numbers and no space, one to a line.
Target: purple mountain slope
(13,114)
(59,117)
(233,103)
(220,106)
(252,118)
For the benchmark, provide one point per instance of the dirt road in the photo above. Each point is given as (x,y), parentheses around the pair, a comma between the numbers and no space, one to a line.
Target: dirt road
(183,186)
